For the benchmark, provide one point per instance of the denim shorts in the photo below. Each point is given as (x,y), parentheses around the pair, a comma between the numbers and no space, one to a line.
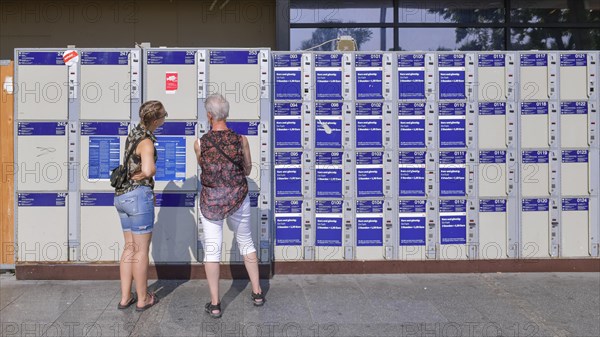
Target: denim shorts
(136,210)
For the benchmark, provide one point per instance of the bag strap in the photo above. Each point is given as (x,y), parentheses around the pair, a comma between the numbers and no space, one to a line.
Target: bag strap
(223,152)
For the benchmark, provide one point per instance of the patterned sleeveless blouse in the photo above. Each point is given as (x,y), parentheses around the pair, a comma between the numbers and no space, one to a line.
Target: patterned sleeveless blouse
(135,161)
(224,184)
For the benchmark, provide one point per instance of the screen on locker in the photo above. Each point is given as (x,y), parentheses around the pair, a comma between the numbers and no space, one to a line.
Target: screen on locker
(288,222)
(106,85)
(574,77)
(171,78)
(411,168)
(575,173)
(452,170)
(369,174)
(328,221)
(452,125)
(411,76)
(288,125)
(288,76)
(453,222)
(369,222)
(103,153)
(534,124)
(412,218)
(491,125)
(328,76)
(411,125)
(534,76)
(288,174)
(369,125)
(451,76)
(174,163)
(369,76)
(328,174)
(534,172)
(250,130)
(42,81)
(491,77)
(328,125)
(236,75)
(42,153)
(574,116)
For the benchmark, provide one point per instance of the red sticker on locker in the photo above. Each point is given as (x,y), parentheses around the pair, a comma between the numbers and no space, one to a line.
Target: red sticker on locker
(171,82)
(70,57)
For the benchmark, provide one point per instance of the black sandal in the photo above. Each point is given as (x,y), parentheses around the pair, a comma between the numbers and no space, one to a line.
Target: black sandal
(256,298)
(148,306)
(132,300)
(209,308)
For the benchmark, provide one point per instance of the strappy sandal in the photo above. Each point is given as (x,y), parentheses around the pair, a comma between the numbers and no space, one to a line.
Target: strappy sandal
(209,308)
(258,299)
(131,301)
(148,306)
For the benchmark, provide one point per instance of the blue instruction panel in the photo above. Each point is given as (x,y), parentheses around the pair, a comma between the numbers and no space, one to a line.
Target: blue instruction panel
(171,57)
(288,222)
(452,125)
(328,76)
(244,128)
(40,58)
(104,58)
(175,199)
(492,157)
(171,150)
(534,60)
(451,76)
(492,205)
(452,171)
(534,108)
(234,57)
(412,219)
(104,155)
(369,223)
(535,205)
(42,199)
(328,125)
(453,221)
(369,125)
(41,128)
(104,128)
(369,174)
(288,174)
(328,175)
(369,76)
(575,156)
(411,76)
(492,108)
(328,220)
(491,60)
(573,60)
(288,125)
(535,157)
(287,76)
(97,199)
(411,125)
(573,108)
(411,173)
(575,204)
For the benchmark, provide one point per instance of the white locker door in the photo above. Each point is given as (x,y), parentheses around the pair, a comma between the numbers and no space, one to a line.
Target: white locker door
(535,173)
(369,230)
(574,116)
(453,229)
(101,232)
(288,230)
(171,77)
(235,74)
(250,131)
(328,230)
(230,250)
(101,150)
(574,76)
(534,125)
(492,174)
(491,76)
(575,227)
(492,126)
(533,76)
(42,78)
(42,155)
(105,85)
(175,234)
(493,229)
(575,173)
(176,166)
(42,233)
(412,220)
(535,228)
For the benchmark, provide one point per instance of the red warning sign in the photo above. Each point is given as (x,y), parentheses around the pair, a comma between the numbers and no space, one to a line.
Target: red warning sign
(171,82)
(70,57)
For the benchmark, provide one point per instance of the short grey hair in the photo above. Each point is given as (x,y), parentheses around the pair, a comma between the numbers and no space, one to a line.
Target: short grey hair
(217,106)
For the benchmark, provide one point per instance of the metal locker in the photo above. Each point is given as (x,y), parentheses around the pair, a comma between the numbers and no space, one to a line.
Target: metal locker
(535,228)
(493,174)
(411,125)
(368,126)
(288,125)
(176,168)
(537,76)
(575,173)
(230,249)
(452,76)
(411,76)
(101,232)
(369,174)
(328,125)
(411,173)
(175,233)
(576,116)
(453,229)
(47,243)
(373,76)
(452,173)
(288,230)
(101,151)
(493,124)
(493,229)
(535,173)
(329,224)
(369,220)
(575,227)
(452,125)
(328,77)
(288,174)
(495,76)
(328,175)
(288,71)
(535,125)
(412,223)
(577,76)
(249,129)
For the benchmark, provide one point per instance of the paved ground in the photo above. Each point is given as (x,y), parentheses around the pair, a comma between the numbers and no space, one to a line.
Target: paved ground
(548,304)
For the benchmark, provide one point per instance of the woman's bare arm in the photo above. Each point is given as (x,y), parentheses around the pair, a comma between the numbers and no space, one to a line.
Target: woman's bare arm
(247,156)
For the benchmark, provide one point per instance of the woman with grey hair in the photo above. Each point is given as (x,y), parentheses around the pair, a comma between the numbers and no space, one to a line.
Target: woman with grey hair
(224,157)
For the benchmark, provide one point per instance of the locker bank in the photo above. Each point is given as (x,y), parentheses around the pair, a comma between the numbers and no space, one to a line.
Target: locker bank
(380,157)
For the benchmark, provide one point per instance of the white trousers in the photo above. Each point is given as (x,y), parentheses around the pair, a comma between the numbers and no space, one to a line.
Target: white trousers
(239,223)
